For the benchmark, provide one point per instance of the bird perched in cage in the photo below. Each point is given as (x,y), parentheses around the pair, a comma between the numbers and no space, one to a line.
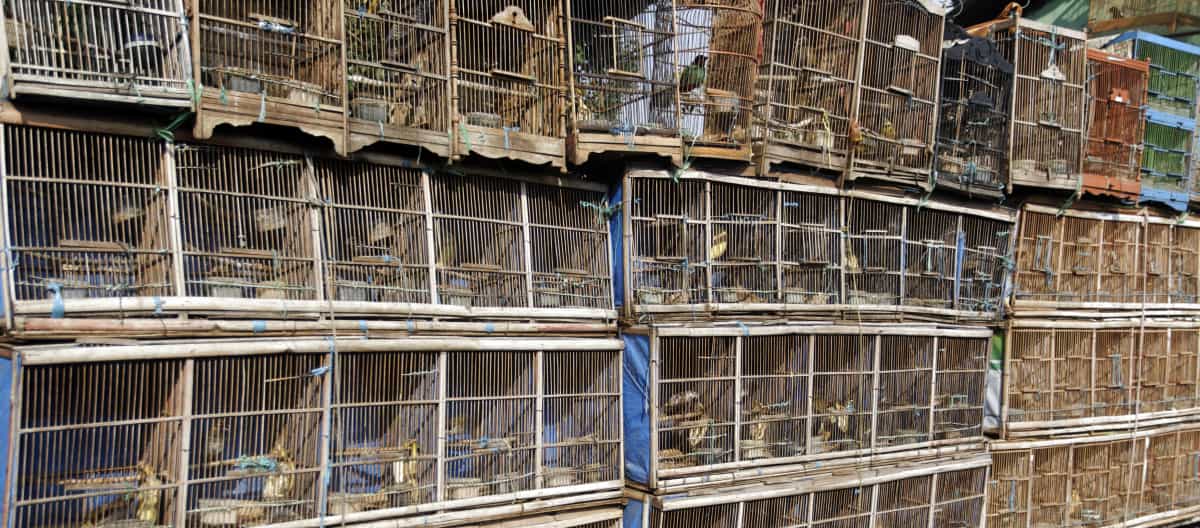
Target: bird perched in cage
(214,441)
(889,129)
(684,405)
(720,244)
(694,74)
(148,500)
(855,135)
(279,485)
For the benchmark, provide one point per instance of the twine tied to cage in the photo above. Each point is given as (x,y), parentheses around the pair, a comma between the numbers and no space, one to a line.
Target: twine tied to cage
(603,209)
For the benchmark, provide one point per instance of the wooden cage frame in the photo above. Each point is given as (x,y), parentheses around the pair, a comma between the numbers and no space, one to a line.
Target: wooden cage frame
(1112,164)
(693,373)
(1100,480)
(1077,376)
(327,406)
(1165,17)
(151,63)
(857,252)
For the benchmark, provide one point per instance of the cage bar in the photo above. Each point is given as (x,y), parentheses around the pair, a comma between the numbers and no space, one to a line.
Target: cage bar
(1116,100)
(1164,17)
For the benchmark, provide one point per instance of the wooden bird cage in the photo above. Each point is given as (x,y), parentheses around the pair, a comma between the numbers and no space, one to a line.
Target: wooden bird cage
(1103,259)
(509,79)
(478,242)
(1049,94)
(99,51)
(1165,17)
(206,439)
(806,393)
(809,77)
(1062,374)
(398,73)
(929,495)
(731,245)
(270,61)
(718,50)
(623,78)
(974,108)
(609,517)
(1116,108)
(246,224)
(569,246)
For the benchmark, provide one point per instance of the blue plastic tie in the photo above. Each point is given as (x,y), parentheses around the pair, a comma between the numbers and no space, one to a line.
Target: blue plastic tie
(411,327)
(507,143)
(362,325)
(745,329)
(57,309)
(260,326)
(489,328)
(158,306)
(319,371)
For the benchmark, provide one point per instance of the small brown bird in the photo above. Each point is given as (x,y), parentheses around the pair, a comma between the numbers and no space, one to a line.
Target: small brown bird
(214,441)
(279,485)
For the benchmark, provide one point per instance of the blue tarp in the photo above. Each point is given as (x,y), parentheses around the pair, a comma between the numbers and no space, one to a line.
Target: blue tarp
(618,246)
(633,514)
(6,385)
(634,388)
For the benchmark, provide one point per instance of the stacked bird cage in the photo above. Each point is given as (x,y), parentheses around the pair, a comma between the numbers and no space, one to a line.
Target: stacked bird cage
(718,49)
(623,73)
(481,257)
(268,61)
(509,79)
(1164,17)
(975,105)
(1169,159)
(398,73)
(817,392)
(1113,160)
(1049,92)
(99,51)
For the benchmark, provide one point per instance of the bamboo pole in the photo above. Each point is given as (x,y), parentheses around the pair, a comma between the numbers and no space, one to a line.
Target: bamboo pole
(46,328)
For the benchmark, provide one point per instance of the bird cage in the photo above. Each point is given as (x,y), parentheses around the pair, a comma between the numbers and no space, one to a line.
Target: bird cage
(610,517)
(92,224)
(623,72)
(809,77)
(1168,162)
(1049,91)
(398,73)
(718,49)
(669,246)
(873,252)
(974,108)
(375,246)
(1116,107)
(810,258)
(246,224)
(479,242)
(731,397)
(509,79)
(1159,16)
(208,439)
(110,51)
(275,62)
(1153,372)
(895,124)
(928,494)
(1009,489)
(569,246)
(1183,374)
(742,257)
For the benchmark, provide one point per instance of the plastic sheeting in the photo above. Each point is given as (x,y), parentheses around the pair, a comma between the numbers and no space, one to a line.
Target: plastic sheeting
(995,384)
(618,245)
(636,392)
(633,514)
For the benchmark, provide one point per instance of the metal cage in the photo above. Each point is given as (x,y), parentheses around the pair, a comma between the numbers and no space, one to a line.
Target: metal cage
(99,51)
(1116,125)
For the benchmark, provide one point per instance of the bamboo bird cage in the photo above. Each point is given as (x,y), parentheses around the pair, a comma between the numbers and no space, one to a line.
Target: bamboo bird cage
(974,109)
(623,78)
(398,73)
(728,398)
(270,61)
(244,432)
(1116,108)
(716,244)
(1164,17)
(1104,260)
(509,79)
(99,51)
(1073,376)
(1049,92)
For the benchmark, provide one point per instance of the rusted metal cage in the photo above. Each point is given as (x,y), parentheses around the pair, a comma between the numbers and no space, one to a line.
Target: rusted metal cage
(208,439)
(1069,374)
(1049,95)
(99,51)
(974,109)
(509,79)
(927,495)
(1141,478)
(398,73)
(270,61)
(623,78)
(1112,164)
(1104,260)
(727,397)
(717,244)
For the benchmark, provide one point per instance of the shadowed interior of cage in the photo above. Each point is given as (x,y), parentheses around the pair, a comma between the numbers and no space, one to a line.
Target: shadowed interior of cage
(624,67)
(1117,96)
(719,47)
(509,68)
(809,74)
(133,50)
(396,64)
(974,105)
(951,499)
(272,49)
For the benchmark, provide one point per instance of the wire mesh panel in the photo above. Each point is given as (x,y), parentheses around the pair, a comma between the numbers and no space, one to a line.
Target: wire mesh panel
(1116,101)
(271,61)
(100,50)
(246,223)
(974,109)
(718,49)
(510,78)
(398,72)
(568,237)
(479,242)
(623,67)
(1167,161)
(87,215)
(896,120)
(809,77)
